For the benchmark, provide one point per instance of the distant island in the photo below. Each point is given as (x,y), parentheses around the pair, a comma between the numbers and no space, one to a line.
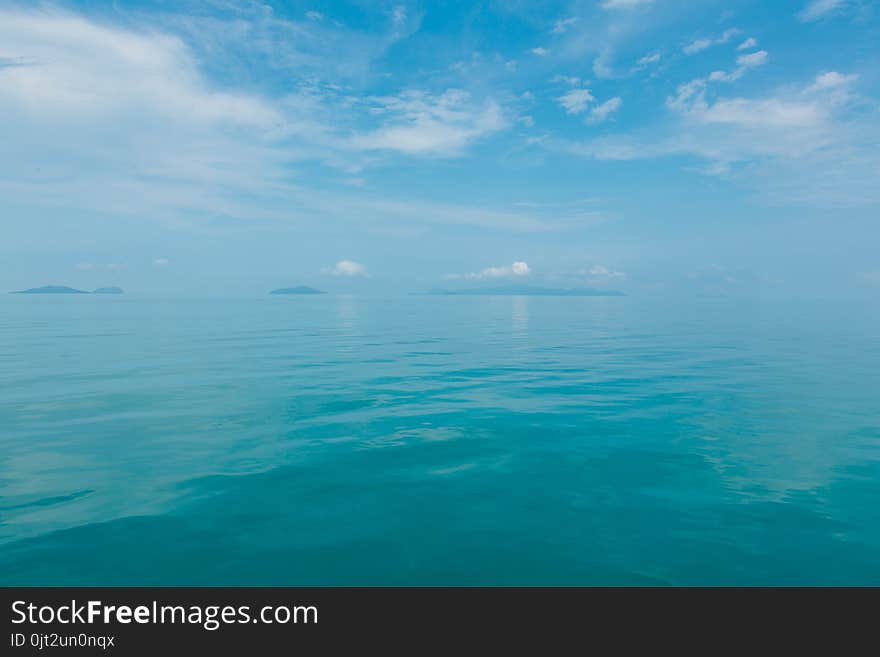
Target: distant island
(299,289)
(51,289)
(63,289)
(519,290)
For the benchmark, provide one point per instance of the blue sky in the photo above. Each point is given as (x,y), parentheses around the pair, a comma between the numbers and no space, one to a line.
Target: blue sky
(654,146)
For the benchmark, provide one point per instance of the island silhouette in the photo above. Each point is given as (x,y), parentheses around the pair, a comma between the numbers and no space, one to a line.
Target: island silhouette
(299,289)
(63,289)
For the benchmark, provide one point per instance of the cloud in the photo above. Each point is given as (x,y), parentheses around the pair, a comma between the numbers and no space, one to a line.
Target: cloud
(696,46)
(605,110)
(831,80)
(602,64)
(561,26)
(83,69)
(691,101)
(649,59)
(515,270)
(161,262)
(539,51)
(624,4)
(570,80)
(182,145)
(751,42)
(576,101)
(601,272)
(419,122)
(702,44)
(398,15)
(818,9)
(346,268)
(771,112)
(813,144)
(314,15)
(744,63)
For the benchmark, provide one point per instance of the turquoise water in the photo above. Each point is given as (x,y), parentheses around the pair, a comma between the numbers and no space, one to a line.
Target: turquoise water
(426,440)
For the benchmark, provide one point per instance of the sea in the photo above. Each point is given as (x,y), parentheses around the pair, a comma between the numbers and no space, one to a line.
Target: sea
(439,440)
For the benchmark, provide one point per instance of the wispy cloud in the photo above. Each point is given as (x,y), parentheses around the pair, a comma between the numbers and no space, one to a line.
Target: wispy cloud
(346,268)
(707,42)
(602,112)
(419,122)
(517,269)
(576,101)
(601,273)
(563,24)
(818,9)
(800,145)
(743,64)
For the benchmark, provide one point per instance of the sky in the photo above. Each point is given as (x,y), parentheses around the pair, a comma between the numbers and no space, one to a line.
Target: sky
(230,147)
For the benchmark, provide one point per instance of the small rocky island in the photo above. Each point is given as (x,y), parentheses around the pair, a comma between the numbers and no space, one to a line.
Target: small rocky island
(63,289)
(299,289)
(51,289)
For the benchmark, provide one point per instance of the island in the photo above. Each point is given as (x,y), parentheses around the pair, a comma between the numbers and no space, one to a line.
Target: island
(51,289)
(527,291)
(108,290)
(299,289)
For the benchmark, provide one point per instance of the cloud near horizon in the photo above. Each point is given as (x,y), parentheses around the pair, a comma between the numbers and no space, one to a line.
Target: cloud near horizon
(517,269)
(346,268)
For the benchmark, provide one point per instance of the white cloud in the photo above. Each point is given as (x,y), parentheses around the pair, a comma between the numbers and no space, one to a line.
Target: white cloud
(771,112)
(649,59)
(603,64)
(576,101)
(601,272)
(817,9)
(744,63)
(696,46)
(703,43)
(539,51)
(831,80)
(423,123)
(624,4)
(753,59)
(561,26)
(812,145)
(751,42)
(83,69)
(605,110)
(690,100)
(346,268)
(398,15)
(515,270)
(161,262)
(133,114)
(570,80)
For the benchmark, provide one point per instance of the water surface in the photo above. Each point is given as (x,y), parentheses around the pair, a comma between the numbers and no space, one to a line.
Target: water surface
(438,440)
